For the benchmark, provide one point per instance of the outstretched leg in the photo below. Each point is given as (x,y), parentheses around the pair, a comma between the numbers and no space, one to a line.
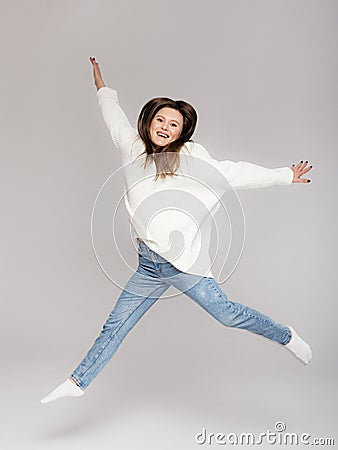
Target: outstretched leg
(139,294)
(207,293)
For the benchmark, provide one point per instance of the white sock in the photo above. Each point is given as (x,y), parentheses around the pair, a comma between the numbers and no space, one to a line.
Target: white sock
(299,347)
(66,389)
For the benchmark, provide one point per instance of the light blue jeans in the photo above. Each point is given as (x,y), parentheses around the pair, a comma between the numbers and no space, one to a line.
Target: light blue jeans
(152,278)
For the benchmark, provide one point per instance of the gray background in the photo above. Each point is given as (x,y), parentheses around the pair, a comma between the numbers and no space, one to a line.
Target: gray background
(262,76)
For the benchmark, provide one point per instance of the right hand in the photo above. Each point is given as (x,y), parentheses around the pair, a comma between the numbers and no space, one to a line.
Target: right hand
(97,74)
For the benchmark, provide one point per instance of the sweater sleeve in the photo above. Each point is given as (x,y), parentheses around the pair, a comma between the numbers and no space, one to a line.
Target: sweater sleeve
(246,175)
(121,132)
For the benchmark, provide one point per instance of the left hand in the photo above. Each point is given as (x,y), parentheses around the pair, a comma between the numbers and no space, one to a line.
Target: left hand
(298,171)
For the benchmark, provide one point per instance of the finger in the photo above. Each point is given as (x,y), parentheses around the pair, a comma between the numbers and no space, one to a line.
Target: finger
(303,180)
(304,165)
(306,170)
(301,165)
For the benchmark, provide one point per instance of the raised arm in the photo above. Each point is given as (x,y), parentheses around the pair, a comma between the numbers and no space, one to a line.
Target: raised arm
(246,175)
(121,132)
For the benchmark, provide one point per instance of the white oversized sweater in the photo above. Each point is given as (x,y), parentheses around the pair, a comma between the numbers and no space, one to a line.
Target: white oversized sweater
(174,216)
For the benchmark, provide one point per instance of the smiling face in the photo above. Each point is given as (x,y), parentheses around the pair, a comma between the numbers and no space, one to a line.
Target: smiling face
(166,126)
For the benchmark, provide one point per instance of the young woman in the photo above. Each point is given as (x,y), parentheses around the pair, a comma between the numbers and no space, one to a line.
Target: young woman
(171,164)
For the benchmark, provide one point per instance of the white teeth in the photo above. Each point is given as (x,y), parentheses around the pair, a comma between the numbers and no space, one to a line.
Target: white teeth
(162,135)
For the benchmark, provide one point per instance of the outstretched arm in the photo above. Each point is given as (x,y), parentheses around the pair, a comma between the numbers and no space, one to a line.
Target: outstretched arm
(121,132)
(246,175)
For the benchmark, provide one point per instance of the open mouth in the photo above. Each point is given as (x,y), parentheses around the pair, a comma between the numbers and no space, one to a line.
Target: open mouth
(164,135)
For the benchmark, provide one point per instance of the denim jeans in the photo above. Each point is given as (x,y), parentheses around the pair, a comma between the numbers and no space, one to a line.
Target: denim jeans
(152,278)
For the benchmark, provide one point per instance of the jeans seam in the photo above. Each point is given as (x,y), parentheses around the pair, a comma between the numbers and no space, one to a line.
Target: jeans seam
(227,303)
(110,337)
(103,346)
(235,310)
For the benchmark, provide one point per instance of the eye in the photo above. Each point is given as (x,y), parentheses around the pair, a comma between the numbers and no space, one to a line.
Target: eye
(159,119)
(174,124)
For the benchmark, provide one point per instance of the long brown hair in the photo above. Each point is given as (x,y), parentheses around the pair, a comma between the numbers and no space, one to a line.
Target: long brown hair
(166,157)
